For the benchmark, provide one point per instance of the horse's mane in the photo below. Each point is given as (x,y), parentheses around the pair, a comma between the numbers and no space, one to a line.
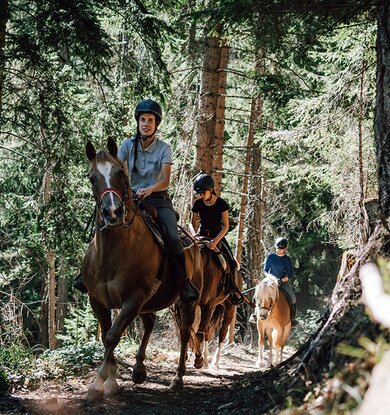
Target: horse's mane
(268,287)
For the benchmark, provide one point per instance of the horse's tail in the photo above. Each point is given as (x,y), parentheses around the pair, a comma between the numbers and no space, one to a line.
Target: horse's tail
(216,319)
(176,313)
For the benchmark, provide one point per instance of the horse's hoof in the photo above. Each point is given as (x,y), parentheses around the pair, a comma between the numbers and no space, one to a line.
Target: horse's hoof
(111,387)
(94,395)
(139,376)
(176,385)
(199,362)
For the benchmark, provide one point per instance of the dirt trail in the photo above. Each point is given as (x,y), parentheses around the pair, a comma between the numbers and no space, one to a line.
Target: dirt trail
(206,391)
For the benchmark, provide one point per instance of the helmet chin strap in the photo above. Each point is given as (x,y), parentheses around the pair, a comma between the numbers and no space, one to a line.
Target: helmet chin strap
(211,195)
(145,137)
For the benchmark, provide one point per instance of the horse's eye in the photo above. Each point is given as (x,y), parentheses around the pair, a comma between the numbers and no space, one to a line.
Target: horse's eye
(92,178)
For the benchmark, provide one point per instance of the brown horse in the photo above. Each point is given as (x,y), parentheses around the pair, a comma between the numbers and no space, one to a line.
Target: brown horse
(273,318)
(215,292)
(125,268)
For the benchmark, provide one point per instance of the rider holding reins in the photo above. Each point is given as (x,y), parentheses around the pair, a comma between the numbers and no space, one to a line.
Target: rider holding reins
(279,264)
(211,212)
(149,162)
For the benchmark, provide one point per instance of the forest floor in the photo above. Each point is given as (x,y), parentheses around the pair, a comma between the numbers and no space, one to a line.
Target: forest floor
(217,391)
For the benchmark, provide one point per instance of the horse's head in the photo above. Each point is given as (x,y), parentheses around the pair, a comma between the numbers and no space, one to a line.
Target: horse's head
(109,183)
(266,296)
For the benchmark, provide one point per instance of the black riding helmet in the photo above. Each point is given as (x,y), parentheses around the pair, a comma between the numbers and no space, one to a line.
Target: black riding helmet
(203,182)
(281,243)
(150,107)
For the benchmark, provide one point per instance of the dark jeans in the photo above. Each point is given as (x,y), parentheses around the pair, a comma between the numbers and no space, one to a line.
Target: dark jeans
(166,219)
(225,248)
(286,287)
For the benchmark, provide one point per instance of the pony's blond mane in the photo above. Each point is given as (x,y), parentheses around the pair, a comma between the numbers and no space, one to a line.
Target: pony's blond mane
(268,287)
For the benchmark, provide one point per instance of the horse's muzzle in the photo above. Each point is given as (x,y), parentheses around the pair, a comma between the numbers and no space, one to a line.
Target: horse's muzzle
(113,215)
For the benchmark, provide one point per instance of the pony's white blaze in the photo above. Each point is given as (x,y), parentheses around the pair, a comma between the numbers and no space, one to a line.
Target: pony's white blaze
(104,169)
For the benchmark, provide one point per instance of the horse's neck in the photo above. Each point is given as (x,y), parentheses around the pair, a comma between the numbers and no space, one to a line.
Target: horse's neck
(128,235)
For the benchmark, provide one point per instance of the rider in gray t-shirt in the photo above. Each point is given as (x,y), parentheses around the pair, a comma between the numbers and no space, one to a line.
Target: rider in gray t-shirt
(149,162)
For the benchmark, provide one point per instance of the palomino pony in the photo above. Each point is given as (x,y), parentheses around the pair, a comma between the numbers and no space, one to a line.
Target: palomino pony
(273,318)
(125,268)
(214,293)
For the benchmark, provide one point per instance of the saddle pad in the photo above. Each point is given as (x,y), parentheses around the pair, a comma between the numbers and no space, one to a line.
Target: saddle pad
(186,238)
(285,294)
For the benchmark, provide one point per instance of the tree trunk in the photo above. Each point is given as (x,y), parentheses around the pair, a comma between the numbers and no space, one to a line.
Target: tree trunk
(217,159)
(43,316)
(363,214)
(254,122)
(50,257)
(3,26)
(255,221)
(382,118)
(188,103)
(62,305)
(209,93)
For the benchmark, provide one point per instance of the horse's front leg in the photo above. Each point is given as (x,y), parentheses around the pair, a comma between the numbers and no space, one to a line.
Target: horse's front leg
(139,371)
(279,345)
(105,381)
(186,319)
(271,344)
(206,352)
(103,315)
(200,359)
(260,330)
(229,314)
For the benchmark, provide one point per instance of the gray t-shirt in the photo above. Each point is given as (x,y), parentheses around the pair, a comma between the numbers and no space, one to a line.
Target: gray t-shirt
(149,161)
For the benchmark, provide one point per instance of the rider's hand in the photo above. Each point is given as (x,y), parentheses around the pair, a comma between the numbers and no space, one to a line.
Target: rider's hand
(212,245)
(285,279)
(142,193)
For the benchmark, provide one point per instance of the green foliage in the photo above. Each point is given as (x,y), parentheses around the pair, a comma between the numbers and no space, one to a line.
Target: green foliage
(68,360)
(80,327)
(307,326)
(17,364)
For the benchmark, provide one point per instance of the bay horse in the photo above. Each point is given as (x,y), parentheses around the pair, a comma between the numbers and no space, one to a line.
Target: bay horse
(273,318)
(215,293)
(125,268)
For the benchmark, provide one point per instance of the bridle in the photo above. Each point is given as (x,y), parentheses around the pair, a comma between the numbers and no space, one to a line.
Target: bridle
(123,200)
(269,309)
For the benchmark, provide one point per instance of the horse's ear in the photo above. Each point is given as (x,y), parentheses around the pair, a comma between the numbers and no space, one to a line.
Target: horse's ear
(90,151)
(112,147)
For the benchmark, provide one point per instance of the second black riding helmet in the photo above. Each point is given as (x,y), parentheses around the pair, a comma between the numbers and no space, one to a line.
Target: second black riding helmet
(203,182)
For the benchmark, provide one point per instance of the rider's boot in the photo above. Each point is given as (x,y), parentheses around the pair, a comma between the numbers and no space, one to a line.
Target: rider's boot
(79,284)
(187,290)
(293,315)
(236,298)
(235,295)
